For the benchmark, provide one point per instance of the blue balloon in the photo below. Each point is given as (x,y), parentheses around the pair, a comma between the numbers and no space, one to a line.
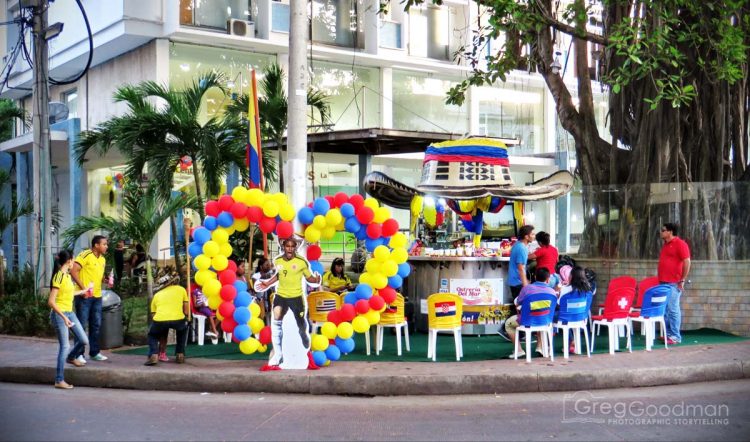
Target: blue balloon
(404,269)
(350,298)
(242,332)
(195,249)
(243,299)
(362,233)
(305,215)
(371,244)
(321,206)
(395,281)
(352,225)
(241,316)
(333,353)
(320,358)
(363,291)
(347,210)
(201,236)
(225,219)
(241,286)
(210,222)
(345,345)
(316,266)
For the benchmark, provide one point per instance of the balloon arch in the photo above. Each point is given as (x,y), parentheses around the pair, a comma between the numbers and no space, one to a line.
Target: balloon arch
(321,219)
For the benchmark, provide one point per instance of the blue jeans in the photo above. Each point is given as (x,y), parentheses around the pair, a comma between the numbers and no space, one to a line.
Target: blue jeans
(673,314)
(89,311)
(62,336)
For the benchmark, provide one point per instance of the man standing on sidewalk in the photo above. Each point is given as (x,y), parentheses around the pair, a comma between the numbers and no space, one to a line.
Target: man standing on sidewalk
(519,256)
(673,269)
(88,271)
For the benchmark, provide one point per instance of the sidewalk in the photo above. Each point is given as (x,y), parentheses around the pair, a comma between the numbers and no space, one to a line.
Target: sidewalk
(32,360)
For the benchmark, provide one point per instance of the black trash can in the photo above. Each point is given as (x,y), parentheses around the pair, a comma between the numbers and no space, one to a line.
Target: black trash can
(110,335)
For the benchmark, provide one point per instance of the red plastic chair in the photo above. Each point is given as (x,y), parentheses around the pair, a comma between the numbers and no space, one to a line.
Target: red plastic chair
(615,283)
(615,314)
(643,285)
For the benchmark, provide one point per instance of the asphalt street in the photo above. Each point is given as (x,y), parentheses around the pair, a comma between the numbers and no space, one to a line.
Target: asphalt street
(707,411)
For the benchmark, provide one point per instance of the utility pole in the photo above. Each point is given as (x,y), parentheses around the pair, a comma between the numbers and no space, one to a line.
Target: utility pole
(296,180)
(41,241)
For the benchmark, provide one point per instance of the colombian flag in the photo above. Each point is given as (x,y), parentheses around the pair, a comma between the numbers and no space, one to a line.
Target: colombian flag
(254,157)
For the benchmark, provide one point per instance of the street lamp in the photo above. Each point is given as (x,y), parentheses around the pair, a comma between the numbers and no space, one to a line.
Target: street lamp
(556,66)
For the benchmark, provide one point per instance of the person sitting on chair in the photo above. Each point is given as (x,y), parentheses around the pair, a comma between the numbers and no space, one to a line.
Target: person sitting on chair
(539,286)
(136,259)
(335,280)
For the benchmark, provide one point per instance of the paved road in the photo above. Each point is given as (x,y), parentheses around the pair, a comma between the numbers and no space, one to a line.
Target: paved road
(708,411)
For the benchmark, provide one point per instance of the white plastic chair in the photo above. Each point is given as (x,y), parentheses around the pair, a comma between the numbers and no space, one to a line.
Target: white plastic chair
(537,311)
(393,319)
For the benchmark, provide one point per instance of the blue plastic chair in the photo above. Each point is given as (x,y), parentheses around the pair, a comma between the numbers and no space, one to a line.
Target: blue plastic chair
(652,312)
(573,315)
(537,311)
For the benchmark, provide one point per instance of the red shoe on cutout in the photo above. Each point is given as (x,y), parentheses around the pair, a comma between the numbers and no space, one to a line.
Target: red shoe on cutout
(311,365)
(270,368)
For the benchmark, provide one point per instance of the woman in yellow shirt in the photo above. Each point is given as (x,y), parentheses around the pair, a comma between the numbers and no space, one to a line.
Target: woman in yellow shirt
(64,319)
(335,280)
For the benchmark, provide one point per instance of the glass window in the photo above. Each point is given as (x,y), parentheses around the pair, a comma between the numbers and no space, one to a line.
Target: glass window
(279,16)
(390,34)
(70,99)
(353,93)
(429,32)
(419,104)
(213,13)
(338,22)
(513,110)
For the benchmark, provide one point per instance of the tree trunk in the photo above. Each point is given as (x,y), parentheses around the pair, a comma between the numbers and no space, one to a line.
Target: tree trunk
(175,250)
(196,178)
(149,285)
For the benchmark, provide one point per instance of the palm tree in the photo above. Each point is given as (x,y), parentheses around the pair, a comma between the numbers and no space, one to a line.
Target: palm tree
(8,216)
(8,112)
(273,106)
(144,213)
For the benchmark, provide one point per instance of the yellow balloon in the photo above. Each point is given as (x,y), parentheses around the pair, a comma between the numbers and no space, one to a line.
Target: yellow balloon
(256,325)
(399,255)
(319,222)
(342,225)
(239,194)
(219,316)
(381,253)
(360,324)
(203,276)
(280,198)
(202,262)
(381,214)
(345,330)
(371,203)
(389,268)
(262,348)
(373,317)
(398,240)
(229,229)
(214,302)
(241,224)
(225,250)
(328,233)
(212,288)
(365,278)
(271,209)
(319,343)
(219,262)
(254,310)
(372,266)
(211,249)
(333,217)
(286,212)
(220,236)
(327,363)
(312,234)
(254,197)
(379,281)
(249,346)
(329,330)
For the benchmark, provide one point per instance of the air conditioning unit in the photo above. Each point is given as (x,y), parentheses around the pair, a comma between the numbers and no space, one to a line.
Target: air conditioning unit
(241,28)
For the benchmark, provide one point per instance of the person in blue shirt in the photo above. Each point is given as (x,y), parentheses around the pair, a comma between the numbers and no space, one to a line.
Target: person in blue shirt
(519,255)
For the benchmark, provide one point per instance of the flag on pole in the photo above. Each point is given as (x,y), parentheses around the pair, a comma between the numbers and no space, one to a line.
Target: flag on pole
(254,156)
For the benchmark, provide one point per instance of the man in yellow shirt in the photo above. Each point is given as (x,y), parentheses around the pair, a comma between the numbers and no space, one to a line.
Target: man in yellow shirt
(290,269)
(88,272)
(169,309)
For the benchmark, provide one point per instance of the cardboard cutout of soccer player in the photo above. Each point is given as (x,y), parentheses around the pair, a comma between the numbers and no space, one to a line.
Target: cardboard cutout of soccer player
(289,326)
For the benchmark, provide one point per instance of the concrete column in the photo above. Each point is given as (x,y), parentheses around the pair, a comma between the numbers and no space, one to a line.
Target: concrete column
(76,176)
(472,100)
(23,189)
(386,98)
(550,123)
(296,178)
(371,26)
(365,166)
(6,193)
(263,19)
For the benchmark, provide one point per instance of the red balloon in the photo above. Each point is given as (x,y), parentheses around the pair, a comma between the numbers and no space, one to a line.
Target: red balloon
(374,230)
(228,324)
(357,201)
(228,292)
(284,229)
(238,210)
(226,202)
(388,294)
(313,252)
(334,316)
(254,214)
(390,227)
(347,312)
(231,265)
(227,276)
(365,215)
(267,225)
(377,302)
(226,309)
(362,306)
(265,335)
(339,199)
(234,339)
(212,208)
(330,200)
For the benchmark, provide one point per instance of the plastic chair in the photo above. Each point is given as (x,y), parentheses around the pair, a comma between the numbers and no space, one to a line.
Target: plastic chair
(444,311)
(394,317)
(319,304)
(537,312)
(574,315)
(615,283)
(643,285)
(652,312)
(616,313)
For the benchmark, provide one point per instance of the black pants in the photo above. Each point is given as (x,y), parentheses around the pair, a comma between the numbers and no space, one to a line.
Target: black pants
(160,329)
(297,306)
(515,290)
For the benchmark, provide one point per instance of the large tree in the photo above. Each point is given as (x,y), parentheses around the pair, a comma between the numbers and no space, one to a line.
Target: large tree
(677,76)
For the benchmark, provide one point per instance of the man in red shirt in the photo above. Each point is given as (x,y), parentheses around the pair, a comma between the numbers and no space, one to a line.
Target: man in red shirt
(674,267)
(546,255)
